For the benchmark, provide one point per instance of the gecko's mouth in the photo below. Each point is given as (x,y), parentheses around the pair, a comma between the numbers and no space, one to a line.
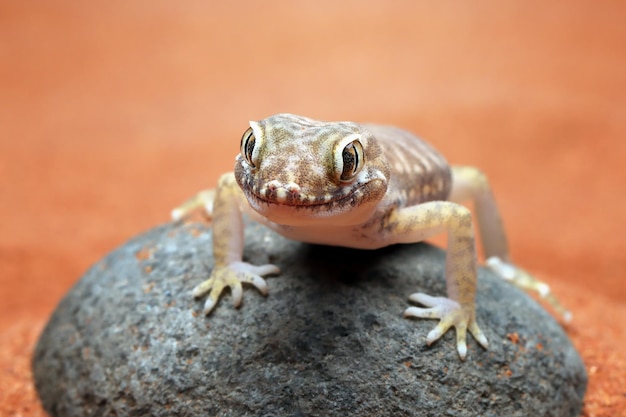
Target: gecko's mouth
(289,197)
(353,207)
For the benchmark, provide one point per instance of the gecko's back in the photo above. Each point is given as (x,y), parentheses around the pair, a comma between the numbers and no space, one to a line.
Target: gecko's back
(418,172)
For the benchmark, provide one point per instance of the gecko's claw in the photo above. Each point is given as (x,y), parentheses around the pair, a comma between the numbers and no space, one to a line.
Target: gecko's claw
(450,314)
(209,304)
(232,276)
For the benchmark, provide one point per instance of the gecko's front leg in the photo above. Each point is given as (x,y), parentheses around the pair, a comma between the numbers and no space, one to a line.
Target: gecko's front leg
(418,222)
(229,270)
(469,183)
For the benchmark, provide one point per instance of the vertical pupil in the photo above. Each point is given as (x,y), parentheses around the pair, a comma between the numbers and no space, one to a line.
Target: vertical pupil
(247,145)
(250,146)
(356,157)
(350,161)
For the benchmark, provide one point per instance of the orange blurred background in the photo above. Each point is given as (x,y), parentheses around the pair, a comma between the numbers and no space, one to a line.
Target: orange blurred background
(112,113)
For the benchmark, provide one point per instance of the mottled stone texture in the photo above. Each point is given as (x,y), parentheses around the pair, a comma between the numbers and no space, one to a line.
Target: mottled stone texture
(329,340)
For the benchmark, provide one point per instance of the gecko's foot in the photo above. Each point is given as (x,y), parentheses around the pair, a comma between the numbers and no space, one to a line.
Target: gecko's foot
(525,281)
(232,276)
(202,199)
(449,313)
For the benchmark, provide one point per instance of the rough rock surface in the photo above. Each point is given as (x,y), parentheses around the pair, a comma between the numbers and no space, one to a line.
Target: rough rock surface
(329,340)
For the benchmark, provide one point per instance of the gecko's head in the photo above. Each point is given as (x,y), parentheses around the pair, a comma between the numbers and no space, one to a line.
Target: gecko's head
(294,170)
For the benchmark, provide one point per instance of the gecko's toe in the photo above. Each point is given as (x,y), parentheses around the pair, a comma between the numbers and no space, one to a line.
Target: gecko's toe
(268,269)
(202,288)
(422,313)
(236,292)
(478,334)
(436,333)
(258,283)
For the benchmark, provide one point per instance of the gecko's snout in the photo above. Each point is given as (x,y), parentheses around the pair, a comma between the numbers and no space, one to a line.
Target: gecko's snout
(279,192)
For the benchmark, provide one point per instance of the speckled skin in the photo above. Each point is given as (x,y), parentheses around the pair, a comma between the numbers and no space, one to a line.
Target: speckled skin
(361,186)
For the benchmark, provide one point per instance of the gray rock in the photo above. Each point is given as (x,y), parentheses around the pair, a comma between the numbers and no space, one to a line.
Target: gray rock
(329,340)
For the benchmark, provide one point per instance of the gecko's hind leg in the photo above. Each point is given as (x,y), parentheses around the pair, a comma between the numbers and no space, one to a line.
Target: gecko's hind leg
(202,199)
(525,281)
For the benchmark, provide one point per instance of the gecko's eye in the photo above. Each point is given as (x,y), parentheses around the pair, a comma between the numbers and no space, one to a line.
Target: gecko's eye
(247,146)
(352,157)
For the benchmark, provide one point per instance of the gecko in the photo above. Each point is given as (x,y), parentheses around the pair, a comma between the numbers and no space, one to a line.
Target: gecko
(361,186)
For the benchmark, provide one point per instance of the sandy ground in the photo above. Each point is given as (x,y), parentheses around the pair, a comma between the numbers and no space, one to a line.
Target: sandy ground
(111,114)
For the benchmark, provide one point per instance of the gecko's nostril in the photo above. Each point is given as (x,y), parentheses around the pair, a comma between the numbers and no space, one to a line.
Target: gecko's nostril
(273,185)
(281,192)
(293,188)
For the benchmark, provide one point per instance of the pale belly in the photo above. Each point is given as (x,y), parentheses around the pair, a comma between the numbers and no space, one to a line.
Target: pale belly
(351,236)
(357,237)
